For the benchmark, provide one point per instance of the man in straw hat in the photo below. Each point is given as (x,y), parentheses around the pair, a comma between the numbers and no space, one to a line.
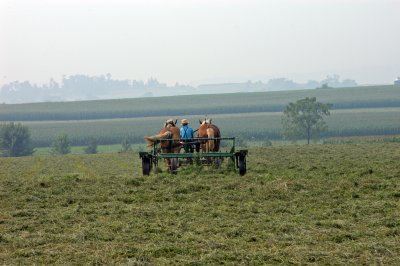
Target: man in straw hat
(186,135)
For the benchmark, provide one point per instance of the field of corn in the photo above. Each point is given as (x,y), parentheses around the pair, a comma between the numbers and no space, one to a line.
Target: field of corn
(359,111)
(322,204)
(246,126)
(341,98)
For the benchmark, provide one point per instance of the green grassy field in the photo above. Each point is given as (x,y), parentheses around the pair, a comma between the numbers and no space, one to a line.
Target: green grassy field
(341,98)
(248,126)
(322,204)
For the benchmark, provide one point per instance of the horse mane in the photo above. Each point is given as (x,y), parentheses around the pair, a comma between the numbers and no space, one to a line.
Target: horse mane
(170,122)
(206,121)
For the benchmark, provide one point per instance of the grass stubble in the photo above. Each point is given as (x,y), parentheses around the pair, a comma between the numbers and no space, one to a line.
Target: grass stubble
(323,204)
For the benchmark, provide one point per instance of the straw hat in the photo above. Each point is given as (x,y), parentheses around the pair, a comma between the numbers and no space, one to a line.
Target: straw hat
(185,121)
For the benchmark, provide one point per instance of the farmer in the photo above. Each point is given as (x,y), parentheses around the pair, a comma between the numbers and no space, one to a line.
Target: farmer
(186,135)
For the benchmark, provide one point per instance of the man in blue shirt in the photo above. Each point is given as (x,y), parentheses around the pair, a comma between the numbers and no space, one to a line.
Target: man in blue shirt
(186,135)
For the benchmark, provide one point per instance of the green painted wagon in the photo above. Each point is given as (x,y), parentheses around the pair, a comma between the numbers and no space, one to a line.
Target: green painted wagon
(151,159)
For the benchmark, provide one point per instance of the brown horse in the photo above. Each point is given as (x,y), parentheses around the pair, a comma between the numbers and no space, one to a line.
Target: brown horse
(169,136)
(209,130)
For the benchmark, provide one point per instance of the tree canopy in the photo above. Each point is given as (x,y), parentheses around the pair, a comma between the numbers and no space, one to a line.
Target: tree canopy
(92,146)
(15,140)
(126,144)
(304,119)
(61,144)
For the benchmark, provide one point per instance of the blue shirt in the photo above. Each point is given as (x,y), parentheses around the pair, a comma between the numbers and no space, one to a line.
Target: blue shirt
(186,132)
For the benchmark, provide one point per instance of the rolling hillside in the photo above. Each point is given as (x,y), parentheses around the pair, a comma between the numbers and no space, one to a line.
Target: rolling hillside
(250,116)
(341,98)
(247,126)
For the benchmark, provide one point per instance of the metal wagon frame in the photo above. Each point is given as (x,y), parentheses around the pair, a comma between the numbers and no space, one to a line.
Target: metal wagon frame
(151,159)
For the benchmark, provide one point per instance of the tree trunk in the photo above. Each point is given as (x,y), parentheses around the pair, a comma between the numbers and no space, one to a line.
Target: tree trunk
(308,135)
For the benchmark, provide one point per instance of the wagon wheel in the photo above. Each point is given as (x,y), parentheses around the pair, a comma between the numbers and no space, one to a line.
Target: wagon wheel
(146,166)
(174,163)
(242,164)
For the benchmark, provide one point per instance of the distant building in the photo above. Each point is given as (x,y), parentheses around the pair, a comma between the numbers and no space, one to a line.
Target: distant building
(397,82)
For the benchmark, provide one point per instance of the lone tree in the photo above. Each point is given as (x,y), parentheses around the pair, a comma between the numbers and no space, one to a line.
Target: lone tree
(91,147)
(15,140)
(126,145)
(61,144)
(304,118)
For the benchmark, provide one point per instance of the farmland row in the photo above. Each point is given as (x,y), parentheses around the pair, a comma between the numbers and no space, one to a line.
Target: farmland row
(341,98)
(248,126)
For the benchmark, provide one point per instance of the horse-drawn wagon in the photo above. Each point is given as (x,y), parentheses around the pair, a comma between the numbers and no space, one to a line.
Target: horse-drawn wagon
(151,159)
(168,143)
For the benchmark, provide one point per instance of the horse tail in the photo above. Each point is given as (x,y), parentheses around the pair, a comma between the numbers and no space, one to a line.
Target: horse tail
(153,139)
(217,134)
(210,145)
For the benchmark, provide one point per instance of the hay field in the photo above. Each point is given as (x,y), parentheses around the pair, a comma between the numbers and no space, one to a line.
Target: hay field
(323,204)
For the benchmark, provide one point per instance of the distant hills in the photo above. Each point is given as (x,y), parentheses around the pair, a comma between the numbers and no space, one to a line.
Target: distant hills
(83,87)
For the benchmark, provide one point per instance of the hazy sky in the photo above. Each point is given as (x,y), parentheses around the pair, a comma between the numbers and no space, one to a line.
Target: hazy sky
(195,42)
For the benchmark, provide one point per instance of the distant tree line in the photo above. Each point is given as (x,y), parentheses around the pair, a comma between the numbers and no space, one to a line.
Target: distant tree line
(75,87)
(84,87)
(329,82)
